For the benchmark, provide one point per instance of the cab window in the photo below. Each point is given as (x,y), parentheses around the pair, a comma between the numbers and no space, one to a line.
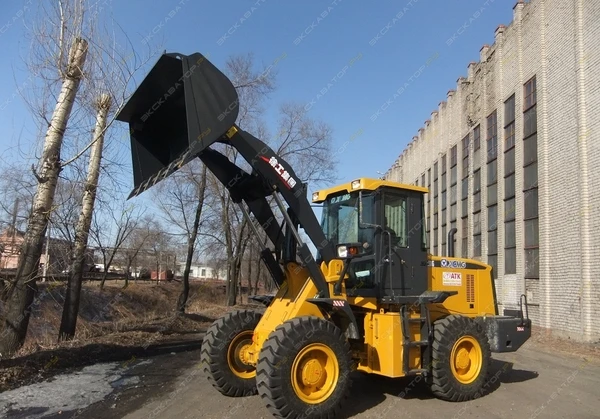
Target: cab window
(395,219)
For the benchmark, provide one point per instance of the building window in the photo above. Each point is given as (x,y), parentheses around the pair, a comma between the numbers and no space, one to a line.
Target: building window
(203,273)
(465,197)
(443,164)
(443,172)
(423,179)
(435,190)
(530,94)
(509,123)
(492,192)
(492,182)
(444,236)
(477,234)
(465,156)
(492,136)
(492,218)
(453,156)
(464,246)
(530,181)
(428,199)
(477,138)
(510,244)
(477,190)
(453,182)
(453,165)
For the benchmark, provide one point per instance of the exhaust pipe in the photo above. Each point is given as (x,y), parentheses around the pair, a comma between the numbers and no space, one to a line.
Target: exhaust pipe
(451,234)
(183,105)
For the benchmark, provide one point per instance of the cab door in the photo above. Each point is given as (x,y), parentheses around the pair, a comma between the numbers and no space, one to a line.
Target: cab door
(403,254)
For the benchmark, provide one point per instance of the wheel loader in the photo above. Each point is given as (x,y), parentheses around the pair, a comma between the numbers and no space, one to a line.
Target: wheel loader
(371,299)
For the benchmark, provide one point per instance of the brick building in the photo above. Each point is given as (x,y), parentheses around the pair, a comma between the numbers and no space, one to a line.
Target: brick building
(511,160)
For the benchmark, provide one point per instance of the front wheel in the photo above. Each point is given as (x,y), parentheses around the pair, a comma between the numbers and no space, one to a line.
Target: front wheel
(461,359)
(304,369)
(222,353)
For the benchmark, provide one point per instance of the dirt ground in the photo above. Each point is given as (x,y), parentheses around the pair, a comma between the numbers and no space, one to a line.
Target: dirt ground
(135,335)
(534,382)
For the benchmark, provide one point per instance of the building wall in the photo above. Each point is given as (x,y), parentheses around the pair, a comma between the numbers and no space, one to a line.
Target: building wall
(538,195)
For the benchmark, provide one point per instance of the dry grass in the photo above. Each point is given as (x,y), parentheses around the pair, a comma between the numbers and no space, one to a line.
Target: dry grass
(114,324)
(113,313)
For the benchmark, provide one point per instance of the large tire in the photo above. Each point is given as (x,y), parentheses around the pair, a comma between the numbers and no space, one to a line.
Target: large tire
(302,352)
(220,349)
(461,359)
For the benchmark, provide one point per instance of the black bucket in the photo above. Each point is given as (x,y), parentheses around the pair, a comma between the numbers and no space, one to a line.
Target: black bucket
(184,105)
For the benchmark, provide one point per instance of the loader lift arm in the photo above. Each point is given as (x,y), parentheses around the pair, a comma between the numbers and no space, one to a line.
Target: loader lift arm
(183,106)
(272,176)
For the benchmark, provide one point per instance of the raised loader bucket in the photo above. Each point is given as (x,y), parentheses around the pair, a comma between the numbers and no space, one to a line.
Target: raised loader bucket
(184,105)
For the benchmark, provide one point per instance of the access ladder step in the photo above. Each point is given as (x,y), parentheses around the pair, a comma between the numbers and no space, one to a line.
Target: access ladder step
(418,343)
(417,371)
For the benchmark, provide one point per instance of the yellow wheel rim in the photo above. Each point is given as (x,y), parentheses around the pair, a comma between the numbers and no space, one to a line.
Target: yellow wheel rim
(315,373)
(466,359)
(235,355)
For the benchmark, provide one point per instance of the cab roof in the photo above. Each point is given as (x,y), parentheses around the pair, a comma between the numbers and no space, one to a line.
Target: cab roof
(364,184)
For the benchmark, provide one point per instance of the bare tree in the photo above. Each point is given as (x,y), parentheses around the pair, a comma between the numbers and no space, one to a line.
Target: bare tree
(64,37)
(16,317)
(111,231)
(253,87)
(181,200)
(71,304)
(306,144)
(17,189)
(134,244)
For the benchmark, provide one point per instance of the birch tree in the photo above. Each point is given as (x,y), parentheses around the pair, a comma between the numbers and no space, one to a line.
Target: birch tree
(21,294)
(71,304)
(70,57)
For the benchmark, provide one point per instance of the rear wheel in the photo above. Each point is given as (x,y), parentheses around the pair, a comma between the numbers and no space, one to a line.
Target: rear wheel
(461,359)
(304,369)
(222,353)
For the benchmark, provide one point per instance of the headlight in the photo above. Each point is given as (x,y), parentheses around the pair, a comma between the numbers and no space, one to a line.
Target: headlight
(355,184)
(315,196)
(342,251)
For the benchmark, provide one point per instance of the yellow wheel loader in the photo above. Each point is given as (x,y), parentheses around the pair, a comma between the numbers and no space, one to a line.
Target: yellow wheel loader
(371,300)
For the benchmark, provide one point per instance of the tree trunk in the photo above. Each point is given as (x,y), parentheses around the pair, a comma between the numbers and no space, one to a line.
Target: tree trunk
(258,272)
(231,283)
(103,278)
(185,291)
(17,311)
(71,306)
(249,274)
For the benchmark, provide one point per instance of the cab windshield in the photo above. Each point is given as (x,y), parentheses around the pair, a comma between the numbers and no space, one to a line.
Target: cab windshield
(341,218)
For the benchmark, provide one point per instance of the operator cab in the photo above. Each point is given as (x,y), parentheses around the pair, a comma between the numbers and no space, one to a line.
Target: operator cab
(379,228)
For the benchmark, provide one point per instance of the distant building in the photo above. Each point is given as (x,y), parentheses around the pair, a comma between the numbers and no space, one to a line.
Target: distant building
(511,160)
(59,252)
(201,271)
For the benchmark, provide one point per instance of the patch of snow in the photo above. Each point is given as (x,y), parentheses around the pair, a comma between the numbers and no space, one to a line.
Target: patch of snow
(65,392)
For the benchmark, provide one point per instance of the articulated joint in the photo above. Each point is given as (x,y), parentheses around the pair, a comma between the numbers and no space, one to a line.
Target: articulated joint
(341,307)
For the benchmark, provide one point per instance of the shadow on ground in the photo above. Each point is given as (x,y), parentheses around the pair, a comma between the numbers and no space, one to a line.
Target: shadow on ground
(369,390)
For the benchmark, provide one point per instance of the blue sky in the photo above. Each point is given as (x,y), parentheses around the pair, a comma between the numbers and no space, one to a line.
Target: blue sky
(329,46)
